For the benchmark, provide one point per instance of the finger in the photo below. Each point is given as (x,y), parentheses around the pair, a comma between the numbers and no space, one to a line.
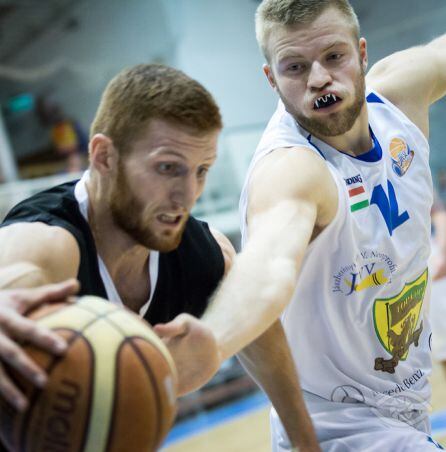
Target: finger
(10,392)
(50,292)
(177,327)
(26,330)
(13,355)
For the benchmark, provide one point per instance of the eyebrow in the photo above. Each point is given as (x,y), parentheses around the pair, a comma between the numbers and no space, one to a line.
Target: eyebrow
(164,151)
(292,54)
(335,44)
(168,151)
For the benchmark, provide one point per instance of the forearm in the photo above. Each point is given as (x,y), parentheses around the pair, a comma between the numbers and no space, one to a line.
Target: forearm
(250,299)
(263,277)
(269,362)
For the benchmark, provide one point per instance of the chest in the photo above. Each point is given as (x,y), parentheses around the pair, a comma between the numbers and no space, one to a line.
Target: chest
(133,291)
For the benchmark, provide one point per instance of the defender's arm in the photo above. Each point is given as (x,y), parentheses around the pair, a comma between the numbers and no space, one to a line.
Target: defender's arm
(413,79)
(285,210)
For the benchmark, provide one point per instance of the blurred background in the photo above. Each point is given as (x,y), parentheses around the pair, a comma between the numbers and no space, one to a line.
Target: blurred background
(56,56)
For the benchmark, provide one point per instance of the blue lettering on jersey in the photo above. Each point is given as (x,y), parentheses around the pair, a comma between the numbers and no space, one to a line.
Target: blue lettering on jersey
(388,206)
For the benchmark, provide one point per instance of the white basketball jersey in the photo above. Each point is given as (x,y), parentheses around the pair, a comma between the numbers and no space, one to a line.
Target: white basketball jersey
(356,323)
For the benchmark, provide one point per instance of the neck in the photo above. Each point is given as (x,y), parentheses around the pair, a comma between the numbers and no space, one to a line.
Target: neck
(120,253)
(357,140)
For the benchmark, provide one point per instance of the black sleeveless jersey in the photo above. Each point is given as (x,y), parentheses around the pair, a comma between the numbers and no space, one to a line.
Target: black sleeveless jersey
(187,276)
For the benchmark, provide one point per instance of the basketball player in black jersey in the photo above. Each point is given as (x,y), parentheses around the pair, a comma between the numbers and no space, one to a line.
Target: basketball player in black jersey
(124,231)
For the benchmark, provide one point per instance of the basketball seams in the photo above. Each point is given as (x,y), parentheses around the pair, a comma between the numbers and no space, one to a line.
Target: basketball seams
(154,386)
(141,359)
(35,393)
(155,343)
(115,398)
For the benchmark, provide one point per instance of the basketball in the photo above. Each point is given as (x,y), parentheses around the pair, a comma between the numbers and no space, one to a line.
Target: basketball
(114,389)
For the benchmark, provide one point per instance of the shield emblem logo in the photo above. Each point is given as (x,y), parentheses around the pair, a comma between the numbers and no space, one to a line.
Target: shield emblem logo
(396,322)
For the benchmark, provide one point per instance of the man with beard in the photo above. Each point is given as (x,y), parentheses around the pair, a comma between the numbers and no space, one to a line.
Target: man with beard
(123,230)
(336,229)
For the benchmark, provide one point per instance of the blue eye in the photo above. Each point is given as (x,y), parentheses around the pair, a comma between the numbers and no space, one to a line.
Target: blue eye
(296,67)
(167,168)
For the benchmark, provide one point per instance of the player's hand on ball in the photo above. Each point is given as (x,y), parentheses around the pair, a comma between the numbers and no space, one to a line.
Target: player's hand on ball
(194,349)
(15,329)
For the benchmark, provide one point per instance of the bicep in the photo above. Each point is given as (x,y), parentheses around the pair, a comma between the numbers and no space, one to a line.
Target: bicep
(285,203)
(49,248)
(412,80)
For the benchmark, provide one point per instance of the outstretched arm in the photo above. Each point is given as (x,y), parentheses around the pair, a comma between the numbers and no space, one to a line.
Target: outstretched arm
(413,79)
(286,209)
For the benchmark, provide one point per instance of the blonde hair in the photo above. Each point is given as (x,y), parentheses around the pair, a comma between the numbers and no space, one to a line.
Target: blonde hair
(291,13)
(149,91)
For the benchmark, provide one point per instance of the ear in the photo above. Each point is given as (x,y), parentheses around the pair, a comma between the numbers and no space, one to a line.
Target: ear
(269,75)
(103,154)
(363,53)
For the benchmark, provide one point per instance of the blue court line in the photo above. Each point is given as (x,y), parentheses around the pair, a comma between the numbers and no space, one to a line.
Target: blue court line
(438,422)
(206,420)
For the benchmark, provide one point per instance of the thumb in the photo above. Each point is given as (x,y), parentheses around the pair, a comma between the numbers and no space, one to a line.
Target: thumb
(177,327)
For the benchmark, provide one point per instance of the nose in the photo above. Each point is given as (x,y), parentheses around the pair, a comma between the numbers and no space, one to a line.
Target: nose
(185,192)
(319,76)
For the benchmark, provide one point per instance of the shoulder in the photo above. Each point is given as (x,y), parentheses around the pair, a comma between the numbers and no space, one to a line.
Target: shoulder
(226,246)
(200,247)
(295,174)
(406,79)
(51,248)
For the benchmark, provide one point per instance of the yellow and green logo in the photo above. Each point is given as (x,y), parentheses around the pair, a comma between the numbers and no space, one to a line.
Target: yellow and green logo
(396,319)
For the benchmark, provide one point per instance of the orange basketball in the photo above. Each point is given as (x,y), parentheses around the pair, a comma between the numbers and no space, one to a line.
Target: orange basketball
(114,389)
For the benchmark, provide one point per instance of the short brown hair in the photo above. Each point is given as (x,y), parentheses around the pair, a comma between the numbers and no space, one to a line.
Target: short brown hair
(290,13)
(149,91)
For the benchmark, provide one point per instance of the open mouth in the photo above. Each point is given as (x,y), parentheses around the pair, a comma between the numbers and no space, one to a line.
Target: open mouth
(169,219)
(326,101)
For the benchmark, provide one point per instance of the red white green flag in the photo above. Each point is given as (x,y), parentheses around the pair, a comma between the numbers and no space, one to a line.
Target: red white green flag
(358,197)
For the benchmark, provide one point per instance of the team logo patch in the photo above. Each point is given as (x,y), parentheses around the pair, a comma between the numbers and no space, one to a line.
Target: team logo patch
(370,269)
(396,321)
(401,155)
(357,194)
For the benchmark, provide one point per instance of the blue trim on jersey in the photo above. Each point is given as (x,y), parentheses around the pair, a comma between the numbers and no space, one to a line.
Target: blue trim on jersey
(372,98)
(317,149)
(375,154)
(372,156)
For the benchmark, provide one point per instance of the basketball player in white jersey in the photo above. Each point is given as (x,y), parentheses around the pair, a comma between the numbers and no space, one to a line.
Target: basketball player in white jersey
(336,228)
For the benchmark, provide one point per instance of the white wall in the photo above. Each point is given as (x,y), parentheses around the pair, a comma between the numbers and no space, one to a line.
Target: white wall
(218,48)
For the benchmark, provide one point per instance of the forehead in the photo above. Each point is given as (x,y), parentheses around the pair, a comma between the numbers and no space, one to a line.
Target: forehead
(160,137)
(330,28)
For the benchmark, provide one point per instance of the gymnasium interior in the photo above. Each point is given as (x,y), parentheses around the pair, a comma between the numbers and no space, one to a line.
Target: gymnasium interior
(60,54)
